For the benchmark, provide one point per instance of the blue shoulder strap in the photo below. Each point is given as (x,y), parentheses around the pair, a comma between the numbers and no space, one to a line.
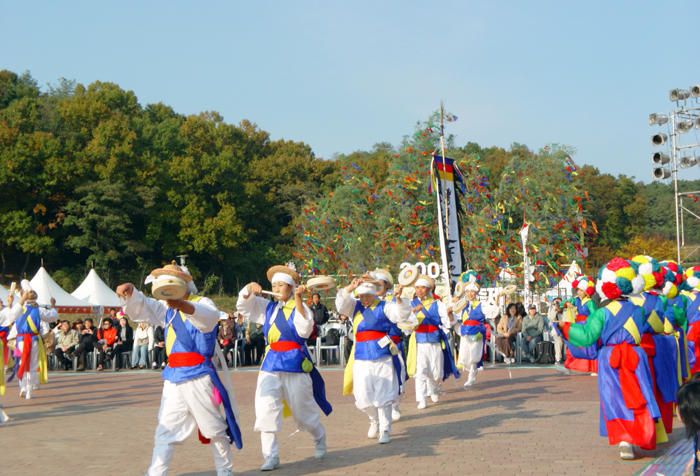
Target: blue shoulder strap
(283,324)
(183,336)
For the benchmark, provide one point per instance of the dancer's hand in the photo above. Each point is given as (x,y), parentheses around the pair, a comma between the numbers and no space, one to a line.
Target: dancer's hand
(418,308)
(253,288)
(354,284)
(125,290)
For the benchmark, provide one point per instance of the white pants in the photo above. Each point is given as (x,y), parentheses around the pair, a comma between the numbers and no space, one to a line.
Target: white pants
(470,354)
(558,348)
(429,370)
(273,389)
(31,377)
(404,377)
(376,386)
(185,406)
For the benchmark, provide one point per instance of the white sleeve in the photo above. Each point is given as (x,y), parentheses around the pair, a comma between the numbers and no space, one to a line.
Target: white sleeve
(345,303)
(13,332)
(305,325)
(13,313)
(444,317)
(205,316)
(253,308)
(397,312)
(48,315)
(44,327)
(150,338)
(490,310)
(140,308)
(5,317)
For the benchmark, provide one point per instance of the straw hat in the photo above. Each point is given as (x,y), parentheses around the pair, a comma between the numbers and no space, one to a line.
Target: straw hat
(386,273)
(172,270)
(285,270)
(427,278)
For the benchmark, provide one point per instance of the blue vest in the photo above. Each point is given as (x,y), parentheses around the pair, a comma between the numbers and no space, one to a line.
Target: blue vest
(473,314)
(373,319)
(204,343)
(282,330)
(33,313)
(428,316)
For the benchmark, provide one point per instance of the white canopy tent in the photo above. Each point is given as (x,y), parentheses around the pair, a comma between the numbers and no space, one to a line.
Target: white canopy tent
(46,288)
(94,290)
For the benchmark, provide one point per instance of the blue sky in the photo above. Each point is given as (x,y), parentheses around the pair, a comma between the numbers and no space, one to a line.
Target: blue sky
(342,76)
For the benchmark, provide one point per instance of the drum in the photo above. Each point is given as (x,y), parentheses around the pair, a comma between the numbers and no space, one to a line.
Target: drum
(408,326)
(459,288)
(321,283)
(510,289)
(460,305)
(408,275)
(172,288)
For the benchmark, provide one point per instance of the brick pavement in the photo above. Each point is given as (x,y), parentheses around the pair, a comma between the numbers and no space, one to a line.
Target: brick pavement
(537,423)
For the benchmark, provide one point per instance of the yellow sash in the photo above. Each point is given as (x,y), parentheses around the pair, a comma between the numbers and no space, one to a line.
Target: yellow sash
(2,369)
(412,355)
(273,335)
(43,367)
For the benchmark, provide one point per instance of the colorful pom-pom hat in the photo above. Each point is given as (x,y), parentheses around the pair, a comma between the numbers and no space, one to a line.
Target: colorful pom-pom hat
(618,278)
(650,269)
(585,284)
(674,279)
(692,277)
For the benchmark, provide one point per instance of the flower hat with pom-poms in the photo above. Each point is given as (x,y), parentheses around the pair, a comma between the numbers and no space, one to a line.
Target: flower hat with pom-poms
(618,278)
(470,277)
(585,284)
(649,269)
(674,279)
(692,277)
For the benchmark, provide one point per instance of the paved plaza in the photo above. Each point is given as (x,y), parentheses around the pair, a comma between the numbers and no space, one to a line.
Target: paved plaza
(537,422)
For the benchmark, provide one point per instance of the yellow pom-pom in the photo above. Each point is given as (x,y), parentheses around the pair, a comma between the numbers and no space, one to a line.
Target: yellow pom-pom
(640,259)
(626,273)
(649,281)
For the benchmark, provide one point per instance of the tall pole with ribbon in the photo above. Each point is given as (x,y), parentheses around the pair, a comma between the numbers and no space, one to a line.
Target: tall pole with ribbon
(526,261)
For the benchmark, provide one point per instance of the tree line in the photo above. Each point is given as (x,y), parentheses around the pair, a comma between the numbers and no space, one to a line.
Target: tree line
(91,177)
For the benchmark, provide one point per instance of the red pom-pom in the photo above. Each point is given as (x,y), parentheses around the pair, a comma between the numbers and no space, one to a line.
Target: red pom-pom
(617,263)
(590,290)
(659,276)
(574,284)
(672,266)
(611,290)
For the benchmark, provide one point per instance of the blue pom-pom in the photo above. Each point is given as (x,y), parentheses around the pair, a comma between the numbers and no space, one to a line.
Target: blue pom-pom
(655,266)
(624,284)
(634,265)
(600,272)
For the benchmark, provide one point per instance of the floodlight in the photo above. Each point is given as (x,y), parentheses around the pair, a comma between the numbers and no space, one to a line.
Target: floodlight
(657,119)
(678,94)
(687,162)
(695,91)
(661,173)
(658,139)
(660,158)
(697,123)
(685,126)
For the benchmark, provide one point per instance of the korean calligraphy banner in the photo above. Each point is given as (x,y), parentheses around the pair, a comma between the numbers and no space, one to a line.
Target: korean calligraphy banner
(445,176)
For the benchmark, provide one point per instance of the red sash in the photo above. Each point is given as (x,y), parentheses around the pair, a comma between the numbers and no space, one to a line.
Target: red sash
(426,329)
(26,354)
(3,336)
(470,322)
(364,336)
(396,339)
(284,346)
(185,359)
(625,359)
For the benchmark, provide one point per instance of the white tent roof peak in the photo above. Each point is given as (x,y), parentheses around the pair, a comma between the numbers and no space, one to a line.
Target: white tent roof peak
(94,290)
(46,288)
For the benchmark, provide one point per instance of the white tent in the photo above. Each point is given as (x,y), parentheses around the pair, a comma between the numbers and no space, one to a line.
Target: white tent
(4,293)
(94,290)
(46,288)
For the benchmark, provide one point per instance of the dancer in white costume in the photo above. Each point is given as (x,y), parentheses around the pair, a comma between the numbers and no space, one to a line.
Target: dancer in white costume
(471,326)
(371,371)
(287,379)
(429,359)
(27,318)
(192,388)
(396,334)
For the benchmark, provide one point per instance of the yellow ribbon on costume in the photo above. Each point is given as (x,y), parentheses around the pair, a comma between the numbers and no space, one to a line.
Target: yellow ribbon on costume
(348,385)
(43,365)
(273,335)
(412,356)
(170,340)
(2,369)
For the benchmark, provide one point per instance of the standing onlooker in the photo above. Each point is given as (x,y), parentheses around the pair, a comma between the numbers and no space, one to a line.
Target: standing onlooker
(349,336)
(554,315)
(254,339)
(106,337)
(65,345)
(125,341)
(160,358)
(227,338)
(143,344)
(86,341)
(533,326)
(320,311)
(507,331)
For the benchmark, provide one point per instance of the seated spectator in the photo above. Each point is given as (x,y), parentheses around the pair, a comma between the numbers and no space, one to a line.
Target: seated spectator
(227,338)
(320,311)
(143,344)
(106,338)
(57,328)
(349,337)
(554,315)
(533,325)
(254,339)
(160,359)
(507,331)
(125,341)
(86,341)
(65,345)
(49,338)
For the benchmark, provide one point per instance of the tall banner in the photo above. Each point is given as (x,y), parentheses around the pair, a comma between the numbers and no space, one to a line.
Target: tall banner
(526,260)
(445,176)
